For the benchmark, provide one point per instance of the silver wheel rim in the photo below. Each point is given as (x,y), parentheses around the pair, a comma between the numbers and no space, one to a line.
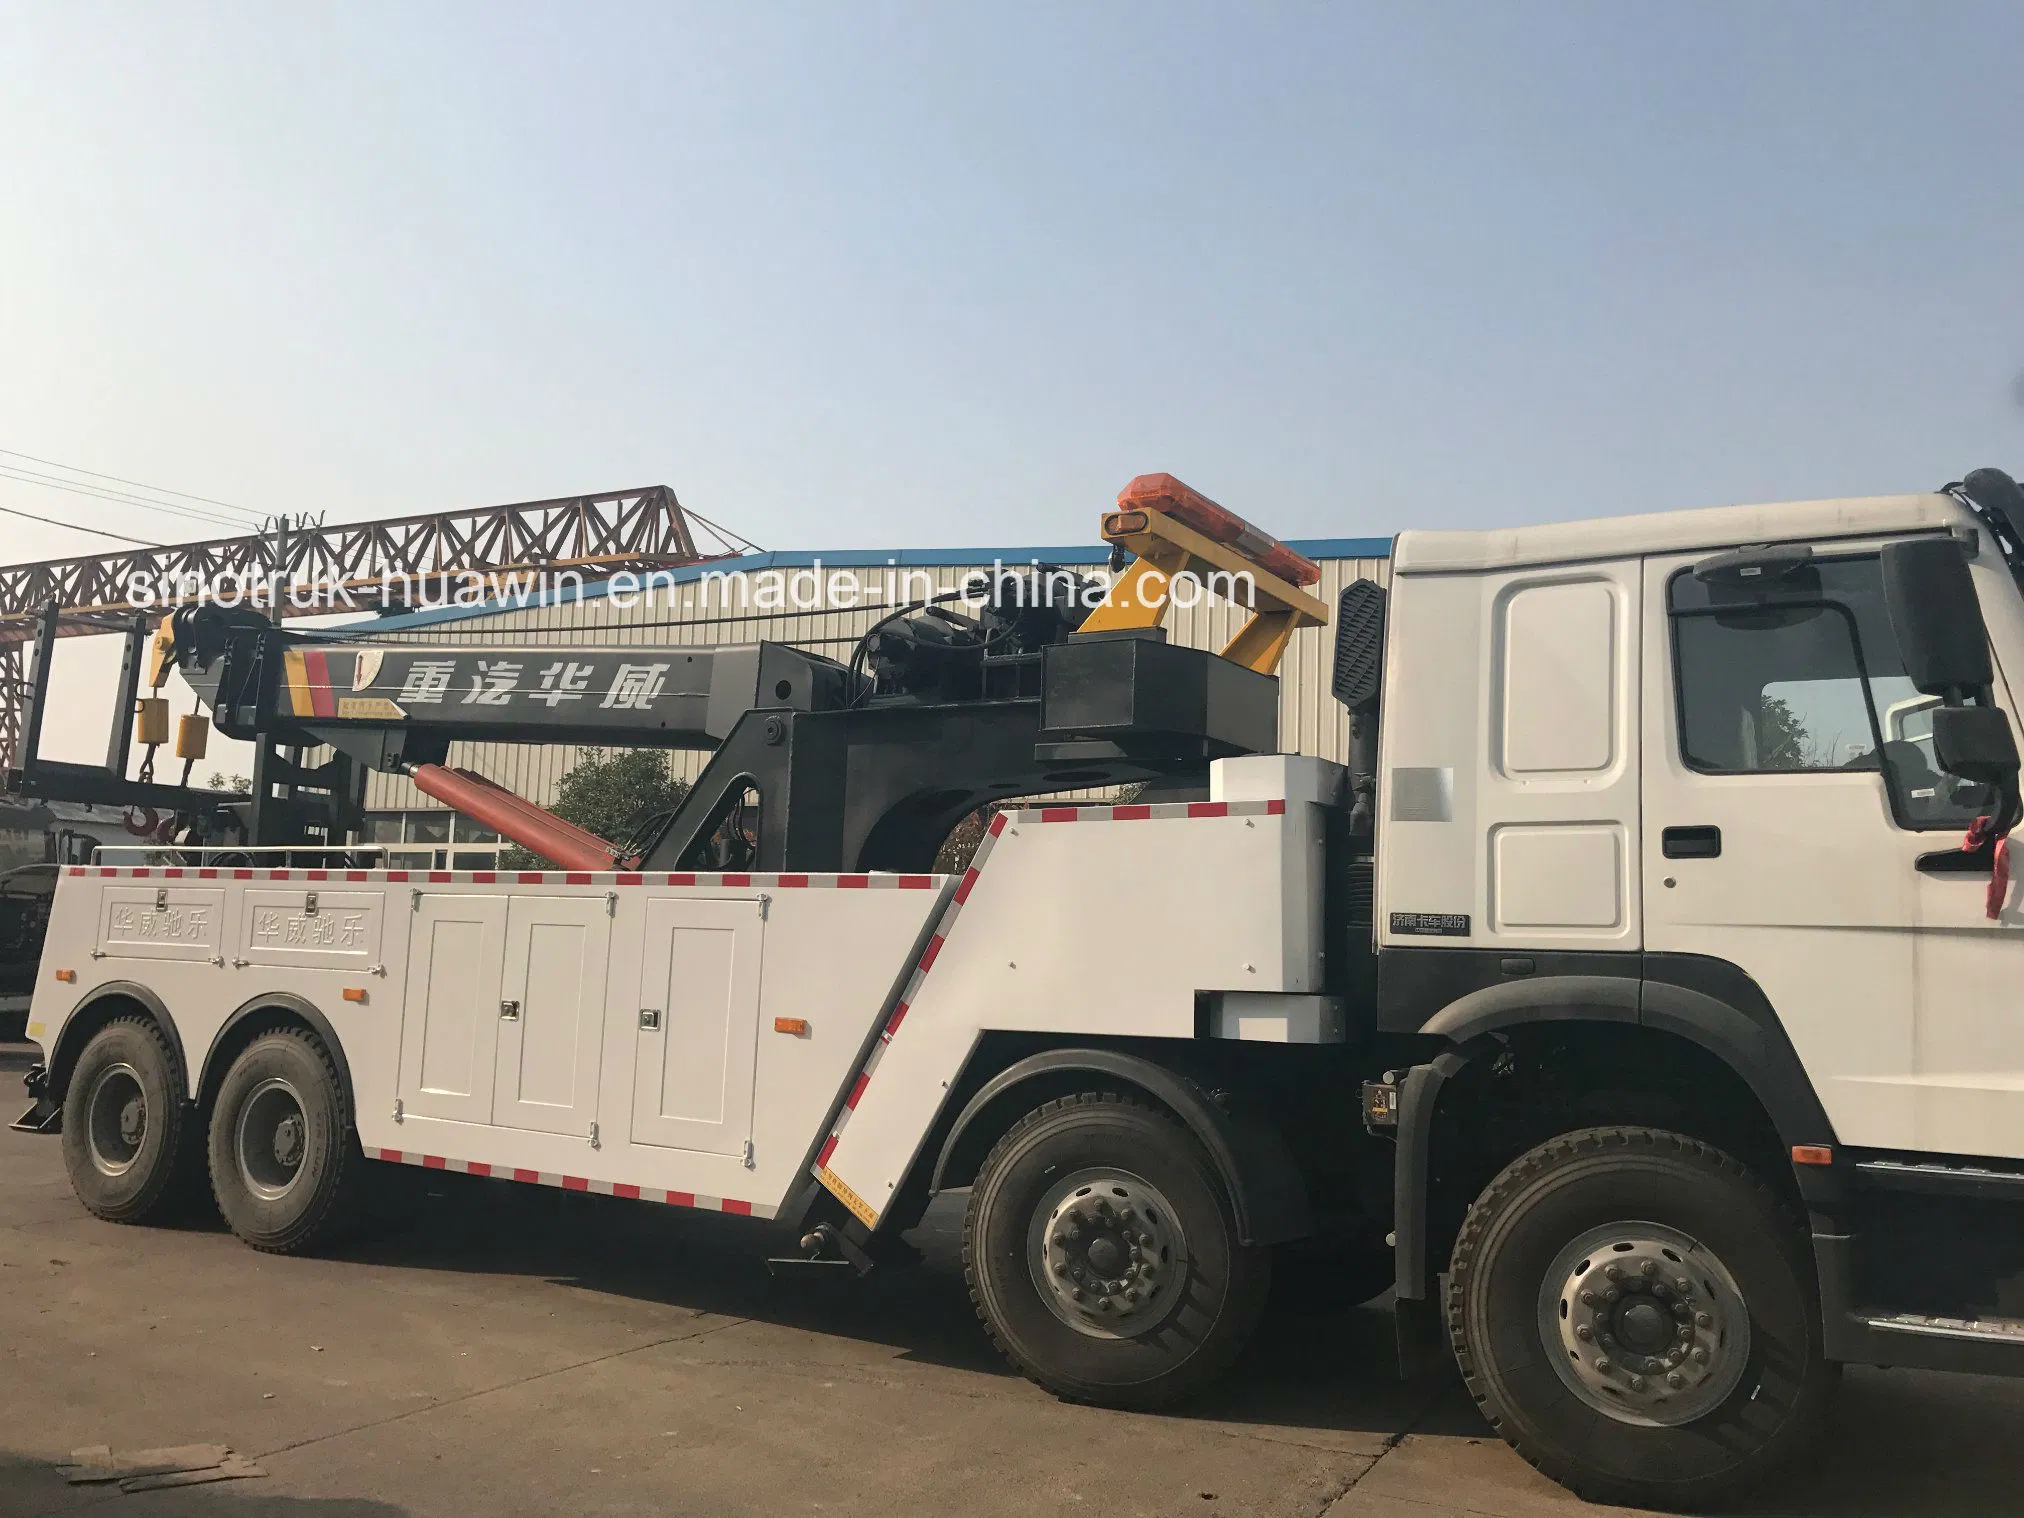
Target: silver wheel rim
(1107,1253)
(1644,1324)
(116,1119)
(271,1138)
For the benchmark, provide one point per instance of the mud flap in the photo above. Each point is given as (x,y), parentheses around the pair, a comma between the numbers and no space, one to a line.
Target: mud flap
(1422,1340)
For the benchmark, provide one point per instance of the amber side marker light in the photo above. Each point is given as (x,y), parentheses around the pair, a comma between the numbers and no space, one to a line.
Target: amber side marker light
(66,976)
(354,993)
(1812,1154)
(798,1026)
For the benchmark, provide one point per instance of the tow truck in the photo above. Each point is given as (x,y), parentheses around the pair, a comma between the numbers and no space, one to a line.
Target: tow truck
(1632,1000)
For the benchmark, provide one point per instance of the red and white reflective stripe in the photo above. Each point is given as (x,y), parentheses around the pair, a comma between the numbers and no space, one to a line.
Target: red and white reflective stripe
(622,1189)
(1152,812)
(1166,810)
(708,880)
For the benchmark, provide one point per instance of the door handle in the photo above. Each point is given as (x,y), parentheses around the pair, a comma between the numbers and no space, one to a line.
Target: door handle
(510,1011)
(1691,843)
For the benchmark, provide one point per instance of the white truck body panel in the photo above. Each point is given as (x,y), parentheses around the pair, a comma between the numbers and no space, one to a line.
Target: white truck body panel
(615,1032)
(1703,530)
(570,1091)
(1509,779)
(1109,925)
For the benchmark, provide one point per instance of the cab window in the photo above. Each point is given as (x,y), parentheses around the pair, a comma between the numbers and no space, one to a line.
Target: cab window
(1805,675)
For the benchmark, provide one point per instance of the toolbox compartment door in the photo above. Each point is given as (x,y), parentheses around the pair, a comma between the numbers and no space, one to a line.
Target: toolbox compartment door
(450,1034)
(556,951)
(698,1025)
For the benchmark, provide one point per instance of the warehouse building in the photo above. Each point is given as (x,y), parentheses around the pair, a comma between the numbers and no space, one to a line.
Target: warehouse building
(821,601)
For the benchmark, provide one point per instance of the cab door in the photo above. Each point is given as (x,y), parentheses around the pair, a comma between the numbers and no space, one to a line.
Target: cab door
(1784,835)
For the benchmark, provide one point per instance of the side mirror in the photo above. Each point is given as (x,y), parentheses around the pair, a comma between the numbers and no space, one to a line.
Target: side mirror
(1974,742)
(1936,616)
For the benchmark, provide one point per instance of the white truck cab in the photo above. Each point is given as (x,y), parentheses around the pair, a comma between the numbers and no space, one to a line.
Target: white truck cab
(1630,1001)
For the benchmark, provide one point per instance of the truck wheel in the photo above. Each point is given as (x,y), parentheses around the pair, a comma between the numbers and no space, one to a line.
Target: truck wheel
(1101,1252)
(285,1162)
(127,1132)
(1634,1312)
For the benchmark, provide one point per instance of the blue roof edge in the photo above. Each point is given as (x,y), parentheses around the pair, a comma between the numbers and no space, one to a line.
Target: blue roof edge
(849,558)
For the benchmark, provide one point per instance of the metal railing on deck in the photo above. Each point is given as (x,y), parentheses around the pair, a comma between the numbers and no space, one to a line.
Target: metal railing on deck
(286,856)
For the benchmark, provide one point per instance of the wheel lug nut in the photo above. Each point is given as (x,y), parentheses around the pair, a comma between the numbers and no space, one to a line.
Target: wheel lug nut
(1705,1320)
(1060,1269)
(1676,1380)
(1700,1357)
(1103,1304)
(1648,1268)
(1637,1383)
(1061,1240)
(1602,1364)
(1612,1272)
(1683,1286)
(1146,1239)
(1131,1294)
(1661,1290)
(1611,1295)
(1584,1333)
(1588,1299)
(1075,1294)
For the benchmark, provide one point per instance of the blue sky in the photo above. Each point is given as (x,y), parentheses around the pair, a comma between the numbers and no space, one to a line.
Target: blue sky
(907,275)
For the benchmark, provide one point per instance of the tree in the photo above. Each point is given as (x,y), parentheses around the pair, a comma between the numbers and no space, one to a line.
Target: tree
(1783,743)
(610,793)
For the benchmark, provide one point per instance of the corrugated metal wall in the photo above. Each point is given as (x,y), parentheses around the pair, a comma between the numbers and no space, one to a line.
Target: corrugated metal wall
(1310,720)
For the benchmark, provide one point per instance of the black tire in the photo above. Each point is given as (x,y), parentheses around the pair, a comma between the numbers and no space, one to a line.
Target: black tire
(1199,1305)
(1511,1277)
(286,1168)
(129,1133)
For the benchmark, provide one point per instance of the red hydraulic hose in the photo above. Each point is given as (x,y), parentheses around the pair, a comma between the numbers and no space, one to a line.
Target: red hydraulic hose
(515,817)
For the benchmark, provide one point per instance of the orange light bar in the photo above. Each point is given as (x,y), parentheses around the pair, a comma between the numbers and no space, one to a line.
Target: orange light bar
(1812,1154)
(354,993)
(798,1026)
(66,976)
(1162,492)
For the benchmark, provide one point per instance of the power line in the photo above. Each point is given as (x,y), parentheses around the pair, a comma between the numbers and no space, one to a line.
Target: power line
(117,537)
(105,492)
(120,498)
(240,511)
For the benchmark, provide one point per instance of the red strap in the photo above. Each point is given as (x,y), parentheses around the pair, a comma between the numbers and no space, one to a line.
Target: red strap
(1979,834)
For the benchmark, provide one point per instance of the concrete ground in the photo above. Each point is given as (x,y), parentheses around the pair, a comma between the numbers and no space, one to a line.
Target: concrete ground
(522,1351)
